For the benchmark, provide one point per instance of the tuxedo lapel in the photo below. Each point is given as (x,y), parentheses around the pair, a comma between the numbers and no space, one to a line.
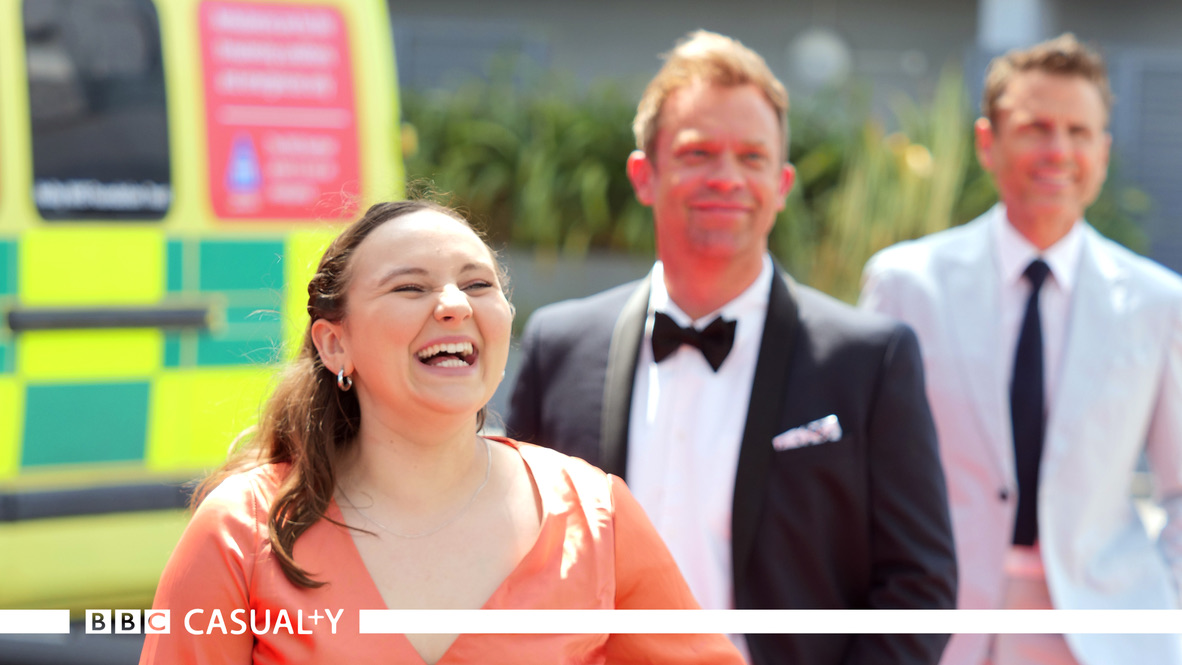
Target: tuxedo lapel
(768,396)
(621,377)
(974,293)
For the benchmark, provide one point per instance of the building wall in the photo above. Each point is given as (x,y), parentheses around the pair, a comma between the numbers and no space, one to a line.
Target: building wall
(1132,23)
(621,40)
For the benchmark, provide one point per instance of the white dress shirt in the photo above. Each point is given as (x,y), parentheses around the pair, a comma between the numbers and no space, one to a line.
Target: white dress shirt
(1014,254)
(685,430)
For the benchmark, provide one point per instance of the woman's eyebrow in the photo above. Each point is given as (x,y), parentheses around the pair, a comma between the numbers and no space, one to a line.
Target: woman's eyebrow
(399,272)
(422,272)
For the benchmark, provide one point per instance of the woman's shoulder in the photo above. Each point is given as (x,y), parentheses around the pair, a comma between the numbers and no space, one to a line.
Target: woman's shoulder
(553,461)
(261,482)
(566,475)
(243,497)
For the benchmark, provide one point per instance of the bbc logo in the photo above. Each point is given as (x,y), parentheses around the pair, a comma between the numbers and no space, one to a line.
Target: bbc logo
(127,622)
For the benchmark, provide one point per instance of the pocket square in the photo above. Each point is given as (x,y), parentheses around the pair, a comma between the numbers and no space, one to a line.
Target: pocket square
(824,430)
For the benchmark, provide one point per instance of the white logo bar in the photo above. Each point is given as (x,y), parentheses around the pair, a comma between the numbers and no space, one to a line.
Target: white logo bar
(34,622)
(710,621)
(875,622)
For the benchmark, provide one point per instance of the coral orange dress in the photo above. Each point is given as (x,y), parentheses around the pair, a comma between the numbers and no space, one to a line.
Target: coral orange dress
(595,550)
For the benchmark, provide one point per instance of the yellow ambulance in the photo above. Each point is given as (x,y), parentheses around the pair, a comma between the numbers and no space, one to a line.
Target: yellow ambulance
(169,172)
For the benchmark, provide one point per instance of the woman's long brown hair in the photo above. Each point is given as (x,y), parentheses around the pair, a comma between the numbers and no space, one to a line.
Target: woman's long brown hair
(309,422)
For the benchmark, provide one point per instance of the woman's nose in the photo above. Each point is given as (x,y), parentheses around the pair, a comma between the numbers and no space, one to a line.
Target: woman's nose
(453,304)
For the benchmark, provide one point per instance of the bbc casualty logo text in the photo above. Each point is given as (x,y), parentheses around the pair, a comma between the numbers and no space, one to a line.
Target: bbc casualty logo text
(201,622)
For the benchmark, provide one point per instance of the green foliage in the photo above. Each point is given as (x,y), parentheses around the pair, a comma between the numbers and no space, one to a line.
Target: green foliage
(886,188)
(890,187)
(541,164)
(538,163)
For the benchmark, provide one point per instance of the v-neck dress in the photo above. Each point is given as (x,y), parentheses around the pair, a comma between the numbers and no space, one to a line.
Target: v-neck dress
(595,549)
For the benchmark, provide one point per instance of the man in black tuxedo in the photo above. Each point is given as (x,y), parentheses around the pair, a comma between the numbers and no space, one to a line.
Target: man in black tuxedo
(790,460)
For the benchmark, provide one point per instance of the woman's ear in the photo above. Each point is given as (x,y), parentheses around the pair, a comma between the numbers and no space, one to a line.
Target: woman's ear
(330,343)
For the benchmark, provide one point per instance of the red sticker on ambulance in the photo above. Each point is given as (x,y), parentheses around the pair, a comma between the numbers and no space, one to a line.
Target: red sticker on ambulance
(280,111)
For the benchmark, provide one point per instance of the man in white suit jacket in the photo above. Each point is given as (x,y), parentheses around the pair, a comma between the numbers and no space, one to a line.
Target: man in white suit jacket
(1110,324)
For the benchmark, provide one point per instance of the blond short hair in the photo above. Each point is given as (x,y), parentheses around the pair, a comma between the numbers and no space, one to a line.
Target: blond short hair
(714,59)
(1061,56)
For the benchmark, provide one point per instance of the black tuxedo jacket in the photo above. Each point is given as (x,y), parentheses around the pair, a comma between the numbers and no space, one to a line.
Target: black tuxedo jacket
(857,523)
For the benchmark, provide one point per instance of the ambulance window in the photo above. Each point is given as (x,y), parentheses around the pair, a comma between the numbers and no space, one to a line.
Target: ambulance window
(96,100)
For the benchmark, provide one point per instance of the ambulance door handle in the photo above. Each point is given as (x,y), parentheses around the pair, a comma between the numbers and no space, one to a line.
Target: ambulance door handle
(24,319)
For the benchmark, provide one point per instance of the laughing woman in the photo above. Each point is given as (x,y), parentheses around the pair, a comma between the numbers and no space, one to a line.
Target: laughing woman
(366,486)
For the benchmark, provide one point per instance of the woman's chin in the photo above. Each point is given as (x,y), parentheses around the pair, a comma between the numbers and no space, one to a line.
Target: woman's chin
(457,404)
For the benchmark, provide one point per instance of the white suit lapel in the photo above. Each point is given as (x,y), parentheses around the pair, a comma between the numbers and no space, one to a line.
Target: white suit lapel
(974,291)
(1095,321)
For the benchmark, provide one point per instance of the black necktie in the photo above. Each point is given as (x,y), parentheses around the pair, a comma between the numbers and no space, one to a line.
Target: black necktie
(714,341)
(1027,409)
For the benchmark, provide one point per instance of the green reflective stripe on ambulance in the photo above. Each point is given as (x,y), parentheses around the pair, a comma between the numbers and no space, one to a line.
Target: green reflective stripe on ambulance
(251,335)
(172,349)
(176,264)
(84,423)
(237,351)
(7,354)
(241,265)
(8,268)
(183,273)
(248,276)
(8,291)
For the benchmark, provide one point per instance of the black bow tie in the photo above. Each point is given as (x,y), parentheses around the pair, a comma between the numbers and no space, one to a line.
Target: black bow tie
(714,341)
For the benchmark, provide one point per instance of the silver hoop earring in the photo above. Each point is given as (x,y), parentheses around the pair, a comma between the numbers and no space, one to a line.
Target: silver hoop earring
(345,383)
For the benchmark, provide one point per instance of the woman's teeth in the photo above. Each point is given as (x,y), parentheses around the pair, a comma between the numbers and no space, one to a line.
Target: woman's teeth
(460,352)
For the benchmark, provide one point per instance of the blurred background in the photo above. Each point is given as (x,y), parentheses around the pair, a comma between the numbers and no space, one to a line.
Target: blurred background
(858,73)
(159,216)
(522,111)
